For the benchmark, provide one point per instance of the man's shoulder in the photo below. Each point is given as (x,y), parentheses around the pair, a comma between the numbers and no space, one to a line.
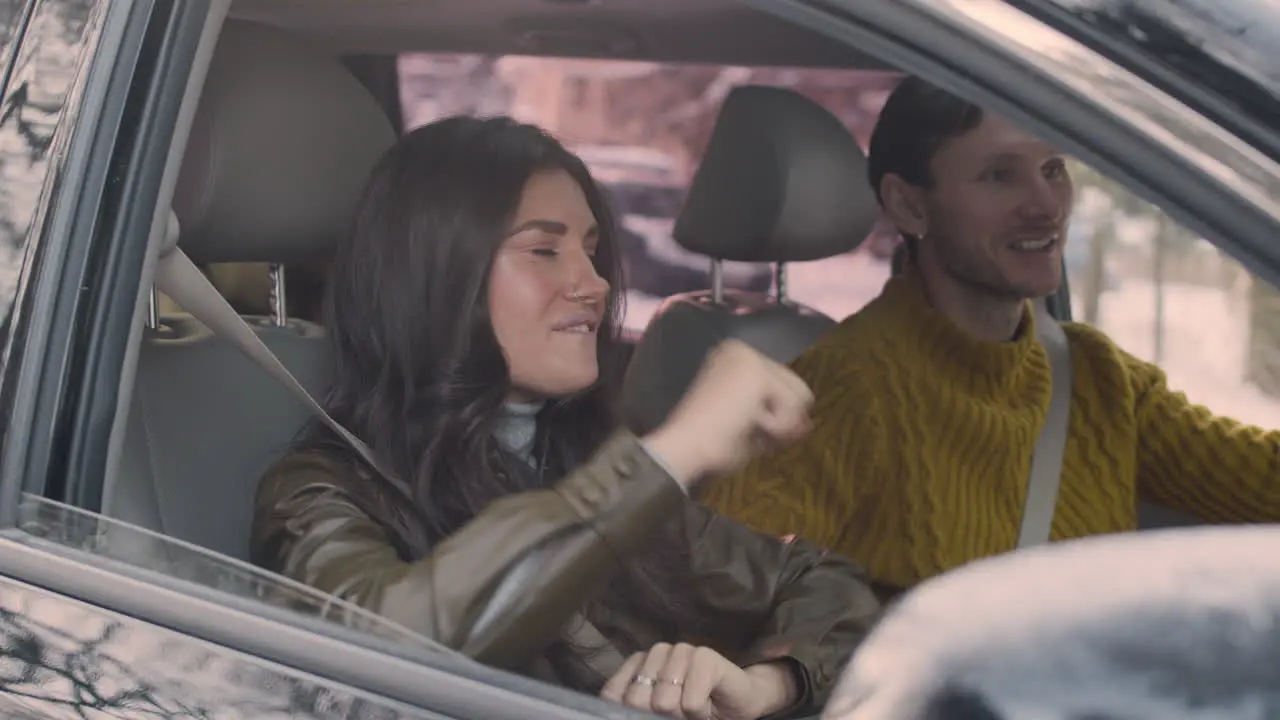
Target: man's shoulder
(1081,332)
(1097,346)
(1101,357)
(846,350)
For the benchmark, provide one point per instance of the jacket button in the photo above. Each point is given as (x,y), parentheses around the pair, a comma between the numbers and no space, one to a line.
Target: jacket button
(593,495)
(625,466)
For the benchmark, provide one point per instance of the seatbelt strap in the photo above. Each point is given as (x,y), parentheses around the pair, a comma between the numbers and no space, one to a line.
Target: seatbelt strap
(1046,458)
(182,281)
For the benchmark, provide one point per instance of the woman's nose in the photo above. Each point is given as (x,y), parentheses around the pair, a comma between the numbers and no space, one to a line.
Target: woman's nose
(587,283)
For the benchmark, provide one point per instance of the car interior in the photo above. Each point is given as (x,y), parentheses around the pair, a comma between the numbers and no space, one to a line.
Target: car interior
(281,143)
(284,135)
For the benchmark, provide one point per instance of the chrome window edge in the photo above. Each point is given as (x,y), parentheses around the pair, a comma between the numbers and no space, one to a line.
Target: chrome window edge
(398,672)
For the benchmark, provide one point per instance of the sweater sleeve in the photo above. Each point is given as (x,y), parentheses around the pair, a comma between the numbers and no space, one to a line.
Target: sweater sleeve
(1213,468)
(814,488)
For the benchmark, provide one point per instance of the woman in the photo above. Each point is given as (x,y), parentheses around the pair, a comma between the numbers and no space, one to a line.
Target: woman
(472,315)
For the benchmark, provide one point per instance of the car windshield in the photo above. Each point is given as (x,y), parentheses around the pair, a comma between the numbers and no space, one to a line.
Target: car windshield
(1221,57)
(101,536)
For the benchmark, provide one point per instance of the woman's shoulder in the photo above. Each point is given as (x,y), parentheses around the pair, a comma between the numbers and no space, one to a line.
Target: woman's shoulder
(317,467)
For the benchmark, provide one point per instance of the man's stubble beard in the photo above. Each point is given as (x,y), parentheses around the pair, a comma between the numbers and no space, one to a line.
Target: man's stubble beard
(976,273)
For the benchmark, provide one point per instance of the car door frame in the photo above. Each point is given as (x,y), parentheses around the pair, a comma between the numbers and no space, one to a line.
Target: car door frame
(37,352)
(63,421)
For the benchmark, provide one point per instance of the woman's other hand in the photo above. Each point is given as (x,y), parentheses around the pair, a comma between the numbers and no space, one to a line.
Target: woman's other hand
(739,402)
(698,683)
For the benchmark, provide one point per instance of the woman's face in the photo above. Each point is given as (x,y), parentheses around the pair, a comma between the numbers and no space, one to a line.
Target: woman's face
(546,300)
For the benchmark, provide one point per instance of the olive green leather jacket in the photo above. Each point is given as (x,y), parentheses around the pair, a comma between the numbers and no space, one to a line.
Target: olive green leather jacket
(517,576)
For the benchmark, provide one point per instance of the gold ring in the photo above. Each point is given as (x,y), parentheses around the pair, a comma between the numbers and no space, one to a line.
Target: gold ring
(674,681)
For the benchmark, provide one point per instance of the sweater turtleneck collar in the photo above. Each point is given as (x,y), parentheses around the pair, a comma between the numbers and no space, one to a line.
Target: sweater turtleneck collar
(906,299)
(517,429)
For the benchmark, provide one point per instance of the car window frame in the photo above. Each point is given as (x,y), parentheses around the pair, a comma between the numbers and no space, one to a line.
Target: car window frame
(36,351)
(359,660)
(398,672)
(126,221)
(1220,107)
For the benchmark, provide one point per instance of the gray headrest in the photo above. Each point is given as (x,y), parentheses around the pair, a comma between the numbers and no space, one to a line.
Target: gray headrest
(280,150)
(782,180)
(688,326)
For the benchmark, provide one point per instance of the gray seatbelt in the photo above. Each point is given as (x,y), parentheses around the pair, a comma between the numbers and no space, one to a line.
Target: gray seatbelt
(182,281)
(1051,445)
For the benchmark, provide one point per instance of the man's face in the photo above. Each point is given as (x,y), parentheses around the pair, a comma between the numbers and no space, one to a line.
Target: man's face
(995,218)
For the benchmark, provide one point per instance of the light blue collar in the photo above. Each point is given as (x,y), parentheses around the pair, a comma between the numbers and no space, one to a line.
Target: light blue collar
(517,430)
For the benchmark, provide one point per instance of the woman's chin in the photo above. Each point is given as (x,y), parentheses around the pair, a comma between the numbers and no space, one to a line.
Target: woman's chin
(562,386)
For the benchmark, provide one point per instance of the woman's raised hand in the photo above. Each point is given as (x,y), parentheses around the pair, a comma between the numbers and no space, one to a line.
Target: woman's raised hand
(740,403)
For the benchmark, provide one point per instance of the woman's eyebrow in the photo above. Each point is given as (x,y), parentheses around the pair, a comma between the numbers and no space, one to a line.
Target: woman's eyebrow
(548,226)
(552,227)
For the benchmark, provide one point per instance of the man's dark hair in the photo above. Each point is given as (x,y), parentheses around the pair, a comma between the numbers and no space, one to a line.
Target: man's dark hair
(915,122)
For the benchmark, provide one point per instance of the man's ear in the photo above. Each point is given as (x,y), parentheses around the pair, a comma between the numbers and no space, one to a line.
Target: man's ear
(904,205)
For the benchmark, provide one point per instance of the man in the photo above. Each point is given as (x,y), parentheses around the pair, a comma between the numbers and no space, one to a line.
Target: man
(930,399)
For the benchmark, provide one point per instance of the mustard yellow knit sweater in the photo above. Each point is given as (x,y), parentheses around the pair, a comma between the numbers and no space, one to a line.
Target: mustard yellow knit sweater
(922,438)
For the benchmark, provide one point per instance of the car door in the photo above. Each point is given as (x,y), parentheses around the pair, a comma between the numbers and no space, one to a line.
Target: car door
(89,115)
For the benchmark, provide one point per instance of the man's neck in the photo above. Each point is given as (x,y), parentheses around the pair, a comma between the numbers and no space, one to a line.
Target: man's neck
(978,313)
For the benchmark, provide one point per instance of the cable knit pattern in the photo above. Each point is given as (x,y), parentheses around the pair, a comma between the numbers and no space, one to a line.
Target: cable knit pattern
(922,439)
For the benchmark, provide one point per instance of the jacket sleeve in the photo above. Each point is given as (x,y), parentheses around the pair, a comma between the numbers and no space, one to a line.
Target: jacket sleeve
(825,485)
(502,587)
(1210,467)
(788,599)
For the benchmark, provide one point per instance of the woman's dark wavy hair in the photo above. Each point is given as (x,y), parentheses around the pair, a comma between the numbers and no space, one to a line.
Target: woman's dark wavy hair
(420,375)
